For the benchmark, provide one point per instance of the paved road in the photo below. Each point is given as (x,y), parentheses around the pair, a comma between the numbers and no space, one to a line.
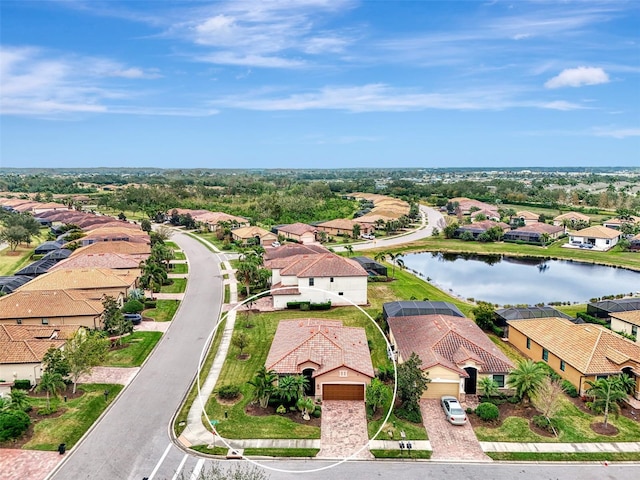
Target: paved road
(133,435)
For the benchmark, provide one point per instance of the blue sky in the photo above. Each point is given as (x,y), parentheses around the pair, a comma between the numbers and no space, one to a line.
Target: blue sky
(319,83)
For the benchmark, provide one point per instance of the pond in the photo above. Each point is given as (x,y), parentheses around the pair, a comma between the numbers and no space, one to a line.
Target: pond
(514,280)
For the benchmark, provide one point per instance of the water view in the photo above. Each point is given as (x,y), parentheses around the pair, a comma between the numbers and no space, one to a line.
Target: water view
(511,280)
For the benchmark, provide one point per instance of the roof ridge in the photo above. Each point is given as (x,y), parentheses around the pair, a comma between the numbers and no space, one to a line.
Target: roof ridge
(595,347)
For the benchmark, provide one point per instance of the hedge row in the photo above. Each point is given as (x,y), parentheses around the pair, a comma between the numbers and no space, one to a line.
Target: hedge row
(309,305)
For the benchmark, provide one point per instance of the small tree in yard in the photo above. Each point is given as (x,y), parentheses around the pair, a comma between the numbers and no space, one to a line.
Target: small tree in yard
(19,400)
(84,351)
(526,379)
(241,341)
(548,400)
(306,406)
(606,393)
(114,321)
(263,385)
(489,388)
(377,395)
(484,315)
(54,362)
(412,382)
(51,383)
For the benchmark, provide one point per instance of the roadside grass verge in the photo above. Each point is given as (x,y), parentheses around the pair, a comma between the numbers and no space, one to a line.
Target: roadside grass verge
(80,413)
(179,285)
(179,256)
(212,238)
(413,431)
(565,457)
(227,294)
(204,371)
(138,346)
(281,452)
(172,244)
(573,426)
(211,451)
(164,311)
(179,268)
(421,454)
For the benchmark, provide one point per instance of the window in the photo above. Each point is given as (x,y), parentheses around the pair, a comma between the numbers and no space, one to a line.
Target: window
(340,293)
(601,377)
(562,365)
(331,279)
(343,373)
(545,354)
(528,344)
(499,379)
(45,321)
(312,282)
(634,331)
(19,321)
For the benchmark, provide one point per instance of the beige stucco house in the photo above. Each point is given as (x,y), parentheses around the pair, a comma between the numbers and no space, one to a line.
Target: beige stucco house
(598,237)
(258,235)
(298,232)
(627,322)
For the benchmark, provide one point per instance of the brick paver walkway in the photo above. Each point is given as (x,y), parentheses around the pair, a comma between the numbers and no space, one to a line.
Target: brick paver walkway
(27,464)
(449,442)
(344,430)
(121,376)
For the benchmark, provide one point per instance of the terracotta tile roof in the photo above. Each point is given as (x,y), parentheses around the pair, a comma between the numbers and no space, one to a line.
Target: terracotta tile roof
(12,332)
(279,289)
(25,207)
(489,213)
(296,228)
(217,217)
(121,228)
(291,249)
(630,317)
(184,211)
(540,228)
(572,216)
(590,349)
(597,231)
(26,351)
(119,224)
(326,343)
(619,222)
(99,260)
(341,223)
(466,204)
(448,341)
(127,248)
(250,232)
(317,265)
(82,279)
(374,217)
(484,225)
(24,304)
(527,215)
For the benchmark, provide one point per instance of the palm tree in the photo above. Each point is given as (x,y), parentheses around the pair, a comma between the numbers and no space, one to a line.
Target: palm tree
(19,399)
(396,259)
(51,383)
(526,379)
(607,393)
(489,388)
(291,387)
(349,249)
(381,256)
(247,271)
(263,385)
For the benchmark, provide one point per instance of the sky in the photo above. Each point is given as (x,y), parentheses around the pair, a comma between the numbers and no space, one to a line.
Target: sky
(319,83)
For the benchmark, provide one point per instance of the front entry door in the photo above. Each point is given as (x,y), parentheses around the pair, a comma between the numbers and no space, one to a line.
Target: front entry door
(471,382)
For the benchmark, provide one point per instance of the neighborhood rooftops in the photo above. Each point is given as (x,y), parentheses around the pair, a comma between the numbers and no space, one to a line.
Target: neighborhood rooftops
(597,231)
(410,308)
(24,304)
(317,265)
(81,279)
(632,317)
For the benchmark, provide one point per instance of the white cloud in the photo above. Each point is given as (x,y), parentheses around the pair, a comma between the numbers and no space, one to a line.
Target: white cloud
(617,132)
(578,77)
(562,105)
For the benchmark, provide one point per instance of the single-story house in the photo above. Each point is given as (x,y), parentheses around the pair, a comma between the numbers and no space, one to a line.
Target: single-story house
(53,308)
(335,358)
(599,237)
(489,214)
(298,232)
(527,217)
(627,322)
(455,353)
(570,219)
(371,266)
(578,353)
(116,261)
(504,315)
(141,250)
(317,278)
(213,220)
(343,226)
(467,204)
(634,243)
(534,232)
(606,308)
(289,249)
(616,223)
(47,247)
(115,234)
(258,235)
(478,228)
(414,308)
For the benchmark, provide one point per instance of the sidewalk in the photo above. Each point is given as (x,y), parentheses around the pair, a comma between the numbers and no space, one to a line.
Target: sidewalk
(561,447)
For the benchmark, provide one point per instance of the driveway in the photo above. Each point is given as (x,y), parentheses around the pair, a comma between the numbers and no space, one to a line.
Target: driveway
(344,430)
(449,442)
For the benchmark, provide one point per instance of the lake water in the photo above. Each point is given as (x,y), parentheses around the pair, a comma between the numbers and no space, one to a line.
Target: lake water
(511,280)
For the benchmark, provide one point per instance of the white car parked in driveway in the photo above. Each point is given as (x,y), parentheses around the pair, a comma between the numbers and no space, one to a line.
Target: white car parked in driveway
(453,410)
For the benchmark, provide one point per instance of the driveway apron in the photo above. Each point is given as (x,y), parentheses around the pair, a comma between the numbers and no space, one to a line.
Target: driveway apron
(344,430)
(449,442)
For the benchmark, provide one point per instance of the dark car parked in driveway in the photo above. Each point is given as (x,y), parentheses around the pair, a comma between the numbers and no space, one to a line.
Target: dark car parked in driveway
(134,318)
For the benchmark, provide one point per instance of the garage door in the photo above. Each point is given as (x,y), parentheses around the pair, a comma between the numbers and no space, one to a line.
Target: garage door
(437,390)
(333,391)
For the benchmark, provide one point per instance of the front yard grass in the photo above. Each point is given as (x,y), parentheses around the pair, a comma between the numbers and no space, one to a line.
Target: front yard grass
(138,346)
(565,457)
(422,454)
(179,256)
(80,413)
(573,427)
(413,431)
(179,285)
(164,311)
(179,268)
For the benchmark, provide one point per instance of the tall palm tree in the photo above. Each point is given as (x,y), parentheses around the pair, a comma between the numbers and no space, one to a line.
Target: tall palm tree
(607,393)
(247,271)
(349,249)
(51,383)
(396,259)
(263,384)
(526,379)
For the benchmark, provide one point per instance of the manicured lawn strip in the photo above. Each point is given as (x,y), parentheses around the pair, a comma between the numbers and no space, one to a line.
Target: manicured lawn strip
(565,457)
(204,371)
(211,237)
(179,268)
(413,431)
(179,256)
(506,348)
(211,451)
(164,311)
(179,285)
(573,426)
(422,454)
(572,309)
(227,294)
(80,414)
(281,452)
(173,245)
(139,346)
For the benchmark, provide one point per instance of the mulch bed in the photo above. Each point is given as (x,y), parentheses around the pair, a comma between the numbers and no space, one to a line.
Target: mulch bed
(506,410)
(601,429)
(254,409)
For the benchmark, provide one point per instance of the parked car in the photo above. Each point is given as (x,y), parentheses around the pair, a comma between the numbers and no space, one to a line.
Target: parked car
(275,244)
(453,410)
(368,237)
(134,318)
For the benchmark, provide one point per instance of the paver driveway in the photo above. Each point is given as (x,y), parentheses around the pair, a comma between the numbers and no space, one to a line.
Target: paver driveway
(344,430)
(449,442)
(27,464)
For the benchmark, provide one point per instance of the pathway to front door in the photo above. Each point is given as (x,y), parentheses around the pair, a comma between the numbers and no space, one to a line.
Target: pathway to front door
(344,430)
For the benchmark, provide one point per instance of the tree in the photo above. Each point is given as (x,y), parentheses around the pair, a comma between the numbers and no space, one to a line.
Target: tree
(306,406)
(247,271)
(84,351)
(349,249)
(263,385)
(114,321)
(450,230)
(291,387)
(355,233)
(548,400)
(412,382)
(55,362)
(606,393)
(19,400)
(145,225)
(51,383)
(378,395)
(240,340)
(381,256)
(484,315)
(526,379)
(396,259)
(489,388)
(13,236)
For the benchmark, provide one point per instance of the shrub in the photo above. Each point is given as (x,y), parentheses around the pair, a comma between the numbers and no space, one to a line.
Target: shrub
(22,384)
(320,306)
(569,389)
(316,413)
(132,306)
(13,423)
(469,410)
(305,306)
(149,303)
(513,400)
(281,410)
(542,422)
(413,416)
(487,411)
(229,392)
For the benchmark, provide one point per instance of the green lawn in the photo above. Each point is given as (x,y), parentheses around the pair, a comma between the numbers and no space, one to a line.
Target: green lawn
(138,346)
(179,256)
(164,311)
(281,452)
(422,454)
(179,285)
(171,244)
(79,414)
(212,238)
(413,431)
(572,309)
(565,457)
(179,268)
(573,426)
(11,262)
(506,348)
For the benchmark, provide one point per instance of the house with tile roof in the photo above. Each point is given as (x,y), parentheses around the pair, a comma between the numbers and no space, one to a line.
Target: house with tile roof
(578,353)
(335,358)
(489,214)
(634,243)
(526,217)
(466,205)
(298,232)
(290,249)
(343,226)
(53,308)
(455,353)
(570,219)
(141,250)
(116,261)
(534,233)
(115,234)
(317,278)
(597,237)
(22,348)
(617,223)
(253,235)
(213,220)
(627,322)
(478,228)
